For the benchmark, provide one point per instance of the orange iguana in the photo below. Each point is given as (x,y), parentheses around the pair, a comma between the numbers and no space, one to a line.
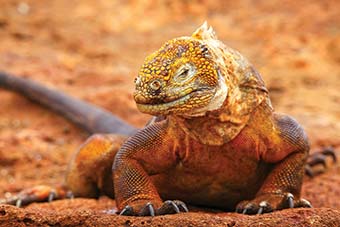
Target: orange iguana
(216,141)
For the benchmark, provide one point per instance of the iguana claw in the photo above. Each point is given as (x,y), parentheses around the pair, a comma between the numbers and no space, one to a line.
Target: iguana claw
(168,207)
(38,193)
(172,207)
(181,206)
(270,202)
(127,211)
(290,199)
(319,158)
(264,207)
(51,195)
(148,210)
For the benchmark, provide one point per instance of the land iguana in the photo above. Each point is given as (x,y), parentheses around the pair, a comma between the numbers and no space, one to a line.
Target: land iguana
(216,140)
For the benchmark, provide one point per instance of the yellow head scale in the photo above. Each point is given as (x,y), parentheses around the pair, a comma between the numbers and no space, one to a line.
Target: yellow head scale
(180,78)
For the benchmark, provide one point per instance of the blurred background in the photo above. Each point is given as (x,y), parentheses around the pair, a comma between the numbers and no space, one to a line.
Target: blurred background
(92,49)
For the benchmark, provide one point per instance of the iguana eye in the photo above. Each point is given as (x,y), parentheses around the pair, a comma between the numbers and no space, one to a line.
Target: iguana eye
(155,85)
(185,73)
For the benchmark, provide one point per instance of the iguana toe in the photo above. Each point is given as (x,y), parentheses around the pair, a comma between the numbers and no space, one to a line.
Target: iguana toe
(303,203)
(181,205)
(270,202)
(172,207)
(148,210)
(169,207)
(127,211)
(319,158)
(264,207)
(247,207)
(38,193)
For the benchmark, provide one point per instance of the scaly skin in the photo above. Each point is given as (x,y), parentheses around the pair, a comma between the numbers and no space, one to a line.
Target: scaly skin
(218,143)
(221,144)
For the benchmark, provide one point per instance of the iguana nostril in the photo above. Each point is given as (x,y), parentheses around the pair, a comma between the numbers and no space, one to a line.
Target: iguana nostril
(155,85)
(138,81)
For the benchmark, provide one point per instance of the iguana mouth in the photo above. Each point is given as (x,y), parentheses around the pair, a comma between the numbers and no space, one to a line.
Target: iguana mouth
(196,98)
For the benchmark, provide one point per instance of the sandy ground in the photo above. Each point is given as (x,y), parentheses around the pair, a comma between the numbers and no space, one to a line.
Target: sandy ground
(92,49)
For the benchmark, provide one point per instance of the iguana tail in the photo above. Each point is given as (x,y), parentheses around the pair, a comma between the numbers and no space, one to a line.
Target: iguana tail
(88,116)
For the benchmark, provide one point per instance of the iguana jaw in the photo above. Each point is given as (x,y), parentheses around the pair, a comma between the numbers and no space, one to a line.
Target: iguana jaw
(185,105)
(193,104)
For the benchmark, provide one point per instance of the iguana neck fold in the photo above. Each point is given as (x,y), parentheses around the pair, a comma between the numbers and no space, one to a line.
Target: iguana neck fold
(244,90)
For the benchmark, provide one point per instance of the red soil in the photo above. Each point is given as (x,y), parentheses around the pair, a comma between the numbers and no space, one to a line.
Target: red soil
(92,49)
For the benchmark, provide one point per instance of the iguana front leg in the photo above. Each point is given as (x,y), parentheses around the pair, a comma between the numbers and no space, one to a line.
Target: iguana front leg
(282,186)
(281,189)
(149,152)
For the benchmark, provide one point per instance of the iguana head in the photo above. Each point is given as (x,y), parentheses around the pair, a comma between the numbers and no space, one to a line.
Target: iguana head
(190,76)
(180,78)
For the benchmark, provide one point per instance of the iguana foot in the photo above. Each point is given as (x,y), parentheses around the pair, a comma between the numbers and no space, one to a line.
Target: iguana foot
(150,209)
(40,193)
(269,202)
(319,158)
